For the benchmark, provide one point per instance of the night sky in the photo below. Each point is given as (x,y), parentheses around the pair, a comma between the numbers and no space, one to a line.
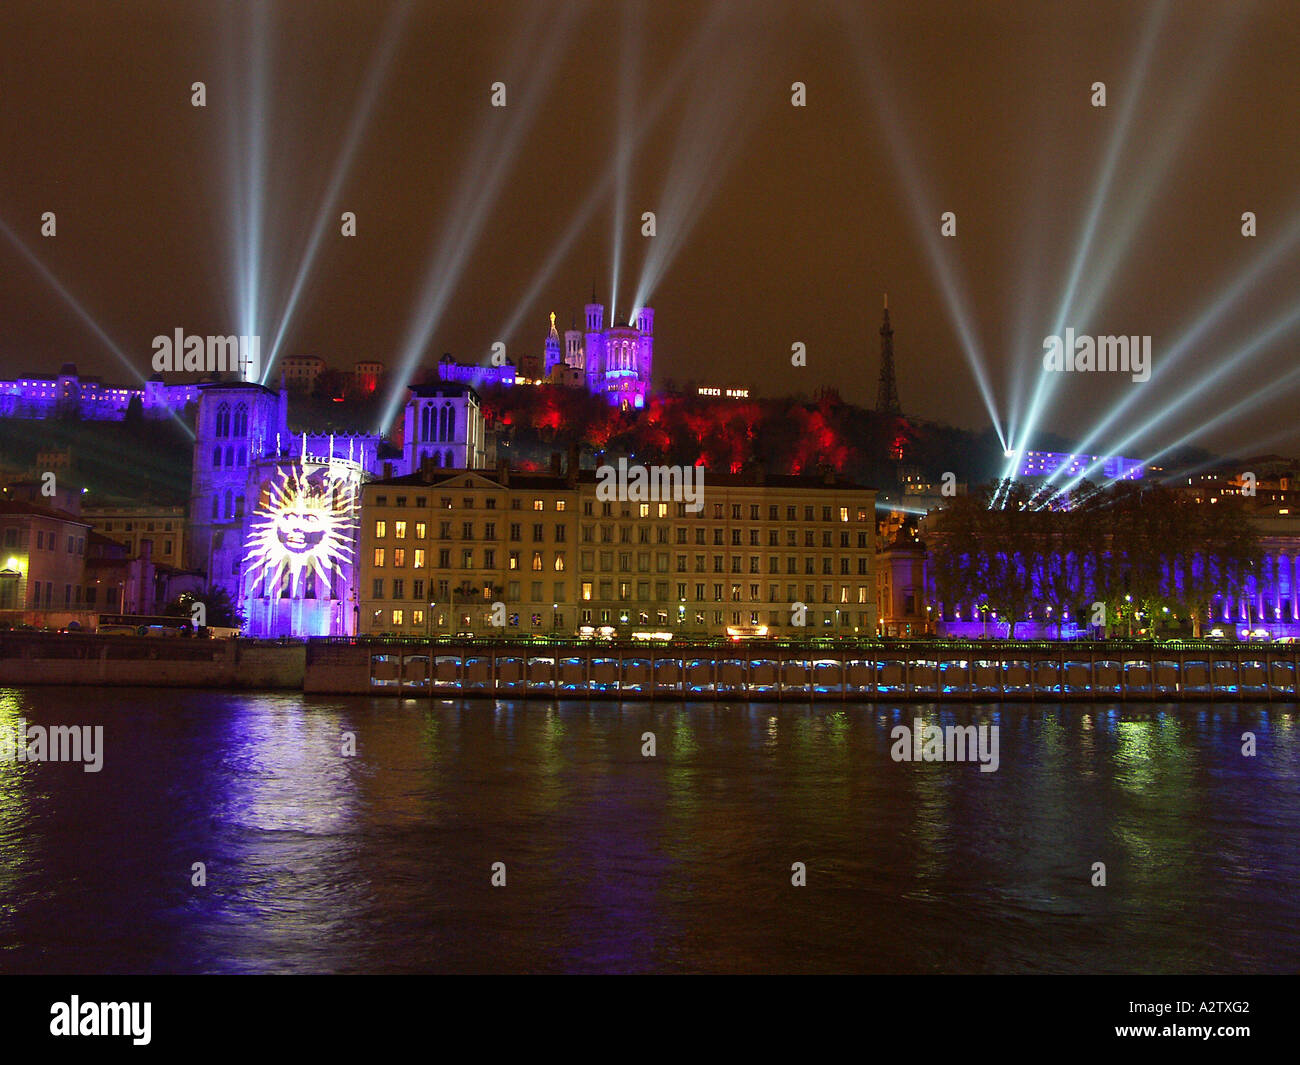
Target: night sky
(776,224)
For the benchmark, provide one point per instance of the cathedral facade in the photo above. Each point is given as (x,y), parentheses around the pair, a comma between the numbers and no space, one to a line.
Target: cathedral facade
(275,517)
(615,363)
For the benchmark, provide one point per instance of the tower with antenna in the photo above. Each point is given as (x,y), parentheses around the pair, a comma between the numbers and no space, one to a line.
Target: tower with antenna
(887,391)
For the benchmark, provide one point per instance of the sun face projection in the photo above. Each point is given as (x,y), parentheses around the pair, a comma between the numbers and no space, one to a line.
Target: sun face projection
(302,532)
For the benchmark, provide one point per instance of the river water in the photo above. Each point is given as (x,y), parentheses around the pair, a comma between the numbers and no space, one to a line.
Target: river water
(319,861)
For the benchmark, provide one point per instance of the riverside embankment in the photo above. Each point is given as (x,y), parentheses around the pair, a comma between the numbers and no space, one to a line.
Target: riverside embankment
(156,662)
(756,671)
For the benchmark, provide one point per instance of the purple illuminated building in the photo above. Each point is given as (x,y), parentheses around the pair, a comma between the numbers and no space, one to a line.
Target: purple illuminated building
(274,516)
(615,363)
(69,394)
(1035,464)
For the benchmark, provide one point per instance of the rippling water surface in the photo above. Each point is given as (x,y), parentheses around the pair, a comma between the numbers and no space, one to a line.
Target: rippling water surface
(382,862)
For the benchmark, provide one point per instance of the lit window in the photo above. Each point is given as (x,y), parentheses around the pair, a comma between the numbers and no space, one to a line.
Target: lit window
(379,557)
(381,529)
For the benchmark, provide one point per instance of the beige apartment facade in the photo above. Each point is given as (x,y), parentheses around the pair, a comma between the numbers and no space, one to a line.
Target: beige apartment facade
(508,554)
(131,525)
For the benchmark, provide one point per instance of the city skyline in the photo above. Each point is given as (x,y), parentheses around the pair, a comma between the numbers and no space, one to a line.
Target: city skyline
(781,219)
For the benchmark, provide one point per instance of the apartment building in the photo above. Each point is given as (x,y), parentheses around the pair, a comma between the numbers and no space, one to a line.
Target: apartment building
(491,553)
(132,524)
(43,552)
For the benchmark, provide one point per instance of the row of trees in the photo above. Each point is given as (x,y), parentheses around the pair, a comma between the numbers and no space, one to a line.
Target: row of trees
(785,434)
(1130,548)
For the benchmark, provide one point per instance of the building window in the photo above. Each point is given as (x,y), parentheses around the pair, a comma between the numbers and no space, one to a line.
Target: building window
(381,529)
(379,557)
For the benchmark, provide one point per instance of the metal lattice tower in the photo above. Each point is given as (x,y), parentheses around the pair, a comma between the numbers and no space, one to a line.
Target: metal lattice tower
(887,393)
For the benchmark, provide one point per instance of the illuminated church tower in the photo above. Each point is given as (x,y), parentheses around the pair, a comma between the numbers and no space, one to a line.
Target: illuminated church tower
(553,356)
(273,517)
(443,426)
(593,344)
(616,362)
(237,424)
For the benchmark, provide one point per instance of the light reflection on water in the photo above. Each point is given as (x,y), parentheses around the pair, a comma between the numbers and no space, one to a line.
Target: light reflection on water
(618,862)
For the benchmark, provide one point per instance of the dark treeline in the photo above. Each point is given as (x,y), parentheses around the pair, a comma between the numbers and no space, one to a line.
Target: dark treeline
(783,435)
(138,458)
(1136,549)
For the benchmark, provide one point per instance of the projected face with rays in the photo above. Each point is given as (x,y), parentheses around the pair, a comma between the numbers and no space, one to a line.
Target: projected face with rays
(302,529)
